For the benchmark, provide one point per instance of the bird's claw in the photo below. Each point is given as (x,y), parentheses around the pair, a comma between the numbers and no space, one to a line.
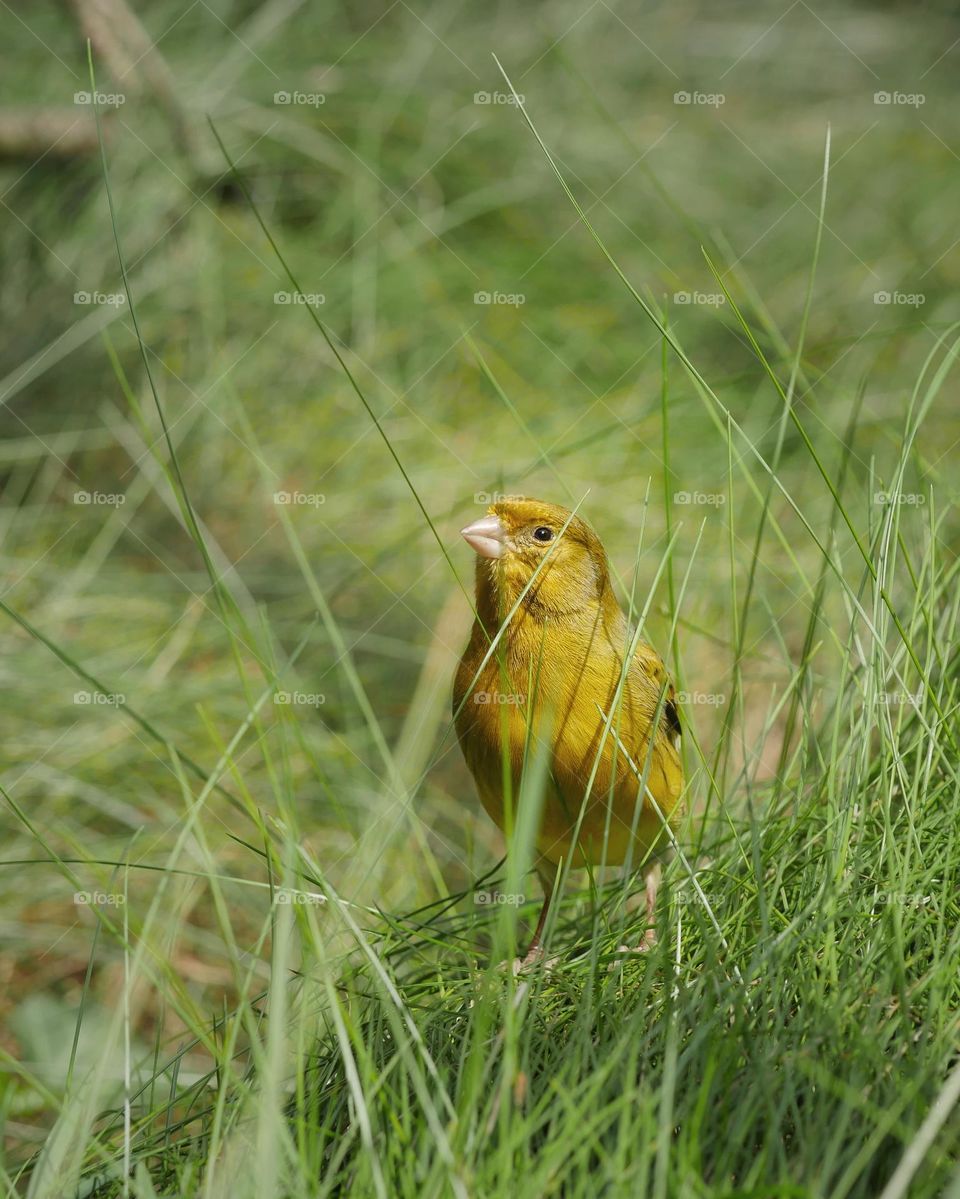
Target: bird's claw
(648,940)
(533,959)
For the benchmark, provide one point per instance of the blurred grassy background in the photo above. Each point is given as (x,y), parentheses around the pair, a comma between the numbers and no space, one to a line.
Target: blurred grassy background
(397,197)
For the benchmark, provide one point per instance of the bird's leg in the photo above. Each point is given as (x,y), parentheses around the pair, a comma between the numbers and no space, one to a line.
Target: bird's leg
(651,885)
(535,948)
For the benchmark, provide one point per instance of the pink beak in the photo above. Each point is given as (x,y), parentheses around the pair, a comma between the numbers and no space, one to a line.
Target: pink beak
(487,536)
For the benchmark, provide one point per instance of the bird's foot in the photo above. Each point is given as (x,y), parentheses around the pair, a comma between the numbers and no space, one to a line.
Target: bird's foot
(535,958)
(647,941)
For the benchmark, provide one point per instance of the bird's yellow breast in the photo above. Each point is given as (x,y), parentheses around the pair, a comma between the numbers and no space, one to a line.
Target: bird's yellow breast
(551,683)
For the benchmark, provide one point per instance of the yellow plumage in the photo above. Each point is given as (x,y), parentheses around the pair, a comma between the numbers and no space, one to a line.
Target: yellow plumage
(559,664)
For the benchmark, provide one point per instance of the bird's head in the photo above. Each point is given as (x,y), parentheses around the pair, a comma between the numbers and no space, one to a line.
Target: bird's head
(518,536)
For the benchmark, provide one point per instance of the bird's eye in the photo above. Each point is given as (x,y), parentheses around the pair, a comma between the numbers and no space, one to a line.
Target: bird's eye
(543,533)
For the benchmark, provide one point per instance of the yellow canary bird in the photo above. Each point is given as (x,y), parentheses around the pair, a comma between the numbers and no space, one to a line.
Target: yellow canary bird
(558,673)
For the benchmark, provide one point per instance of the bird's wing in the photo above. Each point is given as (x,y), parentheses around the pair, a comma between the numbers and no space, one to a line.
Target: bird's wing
(650,673)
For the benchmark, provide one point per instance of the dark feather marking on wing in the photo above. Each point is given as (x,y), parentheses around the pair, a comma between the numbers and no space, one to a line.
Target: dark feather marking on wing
(671,716)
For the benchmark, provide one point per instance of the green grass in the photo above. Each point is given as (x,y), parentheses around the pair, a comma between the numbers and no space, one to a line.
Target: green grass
(795,1029)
